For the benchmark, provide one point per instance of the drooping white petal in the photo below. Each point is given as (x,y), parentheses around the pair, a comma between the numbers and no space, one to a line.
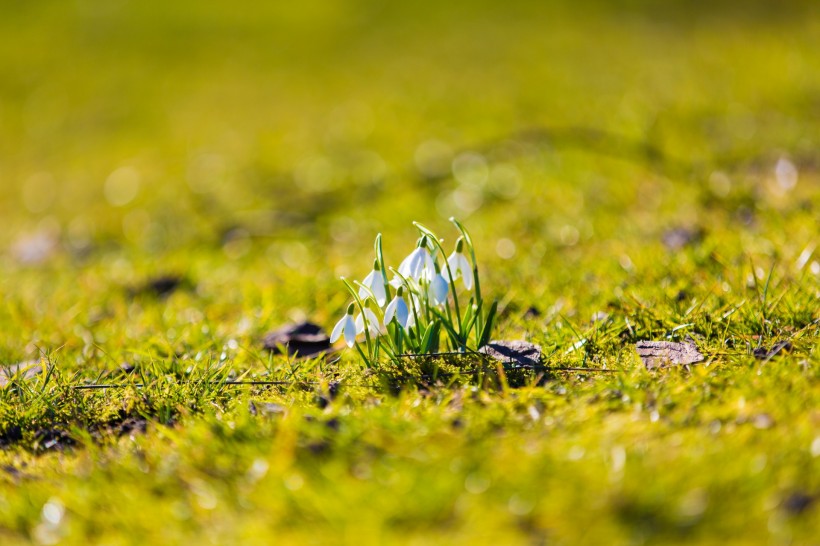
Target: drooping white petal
(396,281)
(409,267)
(390,312)
(375,282)
(438,290)
(418,264)
(466,271)
(372,322)
(452,263)
(402,313)
(337,330)
(368,281)
(349,330)
(429,270)
(378,289)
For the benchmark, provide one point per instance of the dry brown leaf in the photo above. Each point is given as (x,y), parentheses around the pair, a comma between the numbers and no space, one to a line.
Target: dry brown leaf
(521,353)
(304,339)
(657,354)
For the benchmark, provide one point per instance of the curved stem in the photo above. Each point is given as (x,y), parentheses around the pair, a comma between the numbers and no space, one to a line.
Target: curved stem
(382,267)
(479,300)
(364,320)
(412,304)
(373,296)
(450,278)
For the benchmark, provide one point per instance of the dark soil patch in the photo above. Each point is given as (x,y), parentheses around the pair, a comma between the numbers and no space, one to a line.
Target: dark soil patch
(161,286)
(59,438)
(680,237)
(762,353)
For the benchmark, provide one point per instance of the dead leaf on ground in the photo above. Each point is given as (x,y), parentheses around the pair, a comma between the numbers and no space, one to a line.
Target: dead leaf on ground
(762,353)
(657,354)
(521,353)
(21,370)
(677,238)
(304,339)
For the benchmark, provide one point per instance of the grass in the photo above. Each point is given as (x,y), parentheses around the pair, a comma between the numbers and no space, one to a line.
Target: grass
(255,154)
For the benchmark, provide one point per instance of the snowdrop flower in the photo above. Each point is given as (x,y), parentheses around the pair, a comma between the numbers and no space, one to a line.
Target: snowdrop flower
(460,266)
(370,319)
(419,264)
(345,326)
(375,281)
(437,291)
(397,309)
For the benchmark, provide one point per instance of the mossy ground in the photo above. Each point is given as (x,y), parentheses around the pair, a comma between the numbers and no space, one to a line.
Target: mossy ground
(255,151)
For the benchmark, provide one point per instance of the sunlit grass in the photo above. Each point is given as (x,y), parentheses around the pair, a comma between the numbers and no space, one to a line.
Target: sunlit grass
(627,173)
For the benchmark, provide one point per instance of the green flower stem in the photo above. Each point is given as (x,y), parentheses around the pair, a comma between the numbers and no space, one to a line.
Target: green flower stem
(373,297)
(382,267)
(412,304)
(367,361)
(364,318)
(451,280)
(479,324)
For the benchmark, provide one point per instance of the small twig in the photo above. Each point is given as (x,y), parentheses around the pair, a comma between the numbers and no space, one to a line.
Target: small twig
(508,368)
(527,367)
(237,383)
(97,386)
(444,353)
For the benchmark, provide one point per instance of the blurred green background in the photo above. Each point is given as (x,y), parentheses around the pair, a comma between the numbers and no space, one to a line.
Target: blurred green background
(160,124)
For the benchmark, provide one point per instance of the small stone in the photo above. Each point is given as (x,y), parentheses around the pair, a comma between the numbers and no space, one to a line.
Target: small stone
(762,421)
(798,502)
(657,354)
(304,339)
(161,286)
(36,248)
(680,237)
(265,408)
(518,352)
(21,370)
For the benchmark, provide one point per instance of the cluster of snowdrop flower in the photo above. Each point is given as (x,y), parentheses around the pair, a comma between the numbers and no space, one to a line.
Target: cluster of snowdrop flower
(417,310)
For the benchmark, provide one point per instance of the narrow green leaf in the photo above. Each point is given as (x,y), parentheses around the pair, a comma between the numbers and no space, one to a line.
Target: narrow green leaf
(427,340)
(488,325)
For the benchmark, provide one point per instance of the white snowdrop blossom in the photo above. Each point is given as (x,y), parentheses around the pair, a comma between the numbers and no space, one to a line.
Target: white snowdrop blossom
(346,326)
(396,281)
(438,289)
(460,266)
(419,264)
(397,309)
(375,281)
(372,322)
